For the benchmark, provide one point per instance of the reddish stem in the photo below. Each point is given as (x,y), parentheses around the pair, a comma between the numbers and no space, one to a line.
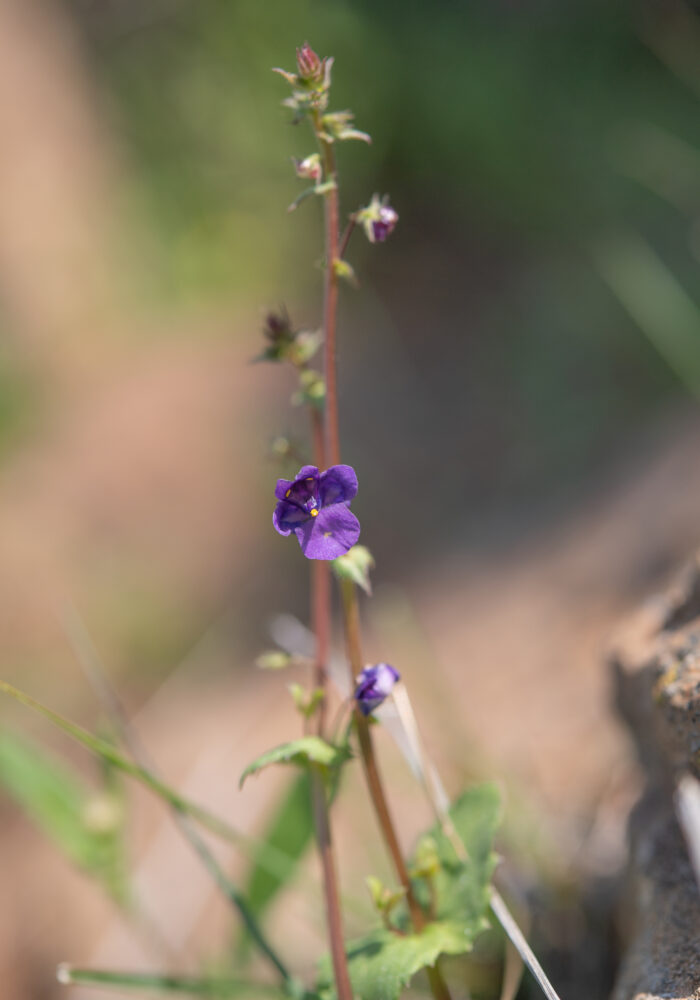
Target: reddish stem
(351,610)
(330,296)
(321,624)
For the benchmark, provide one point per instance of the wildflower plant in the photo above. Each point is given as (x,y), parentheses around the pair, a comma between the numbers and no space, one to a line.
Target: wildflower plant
(442,897)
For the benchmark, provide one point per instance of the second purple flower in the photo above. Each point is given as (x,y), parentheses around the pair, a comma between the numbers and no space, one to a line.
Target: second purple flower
(315,506)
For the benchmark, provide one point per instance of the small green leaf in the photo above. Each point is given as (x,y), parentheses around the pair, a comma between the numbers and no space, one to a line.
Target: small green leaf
(306,193)
(306,702)
(383,963)
(305,751)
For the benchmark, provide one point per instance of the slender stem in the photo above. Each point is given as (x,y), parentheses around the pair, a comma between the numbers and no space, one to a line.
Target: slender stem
(330,883)
(351,612)
(332,455)
(321,623)
(330,295)
(319,448)
(369,760)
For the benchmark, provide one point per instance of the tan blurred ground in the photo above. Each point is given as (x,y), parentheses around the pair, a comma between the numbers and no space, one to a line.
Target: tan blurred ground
(128,479)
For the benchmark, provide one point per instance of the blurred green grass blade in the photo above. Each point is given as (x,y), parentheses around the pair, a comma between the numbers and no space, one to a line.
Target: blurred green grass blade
(108,752)
(289,833)
(653,297)
(275,861)
(192,986)
(86,825)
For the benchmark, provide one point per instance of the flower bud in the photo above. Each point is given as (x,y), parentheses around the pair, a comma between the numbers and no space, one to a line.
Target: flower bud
(309,168)
(378,219)
(309,66)
(277,327)
(374,684)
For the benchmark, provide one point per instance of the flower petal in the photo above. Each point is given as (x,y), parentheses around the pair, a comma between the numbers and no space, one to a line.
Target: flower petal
(337,485)
(287,517)
(374,684)
(306,472)
(329,535)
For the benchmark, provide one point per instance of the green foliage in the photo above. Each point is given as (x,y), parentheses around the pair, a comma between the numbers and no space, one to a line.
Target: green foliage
(87,826)
(112,756)
(288,834)
(462,887)
(303,752)
(382,963)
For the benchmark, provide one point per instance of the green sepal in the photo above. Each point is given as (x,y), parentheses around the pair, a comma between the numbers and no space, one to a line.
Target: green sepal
(307,751)
(355,565)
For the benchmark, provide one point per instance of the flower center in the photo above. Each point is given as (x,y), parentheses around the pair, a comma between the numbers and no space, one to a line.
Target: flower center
(314,513)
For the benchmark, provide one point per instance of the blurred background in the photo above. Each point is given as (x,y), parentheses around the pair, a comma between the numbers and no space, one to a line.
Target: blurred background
(519,374)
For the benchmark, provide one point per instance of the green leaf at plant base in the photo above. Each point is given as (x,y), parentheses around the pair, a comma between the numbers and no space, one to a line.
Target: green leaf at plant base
(303,752)
(87,825)
(383,963)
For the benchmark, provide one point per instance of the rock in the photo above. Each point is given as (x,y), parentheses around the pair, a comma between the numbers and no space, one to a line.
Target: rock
(657,675)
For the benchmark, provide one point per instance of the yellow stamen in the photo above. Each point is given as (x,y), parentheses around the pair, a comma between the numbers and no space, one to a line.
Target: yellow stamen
(287,493)
(310,479)
(314,513)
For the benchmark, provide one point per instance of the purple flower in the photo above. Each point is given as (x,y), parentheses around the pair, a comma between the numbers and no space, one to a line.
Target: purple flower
(384,225)
(315,506)
(373,685)
(378,218)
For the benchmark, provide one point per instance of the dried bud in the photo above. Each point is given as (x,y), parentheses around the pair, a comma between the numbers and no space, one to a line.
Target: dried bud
(309,168)
(309,66)
(277,326)
(280,337)
(378,219)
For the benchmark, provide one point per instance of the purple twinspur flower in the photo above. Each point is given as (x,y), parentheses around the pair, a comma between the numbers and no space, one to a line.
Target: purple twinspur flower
(384,225)
(378,219)
(374,684)
(315,506)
